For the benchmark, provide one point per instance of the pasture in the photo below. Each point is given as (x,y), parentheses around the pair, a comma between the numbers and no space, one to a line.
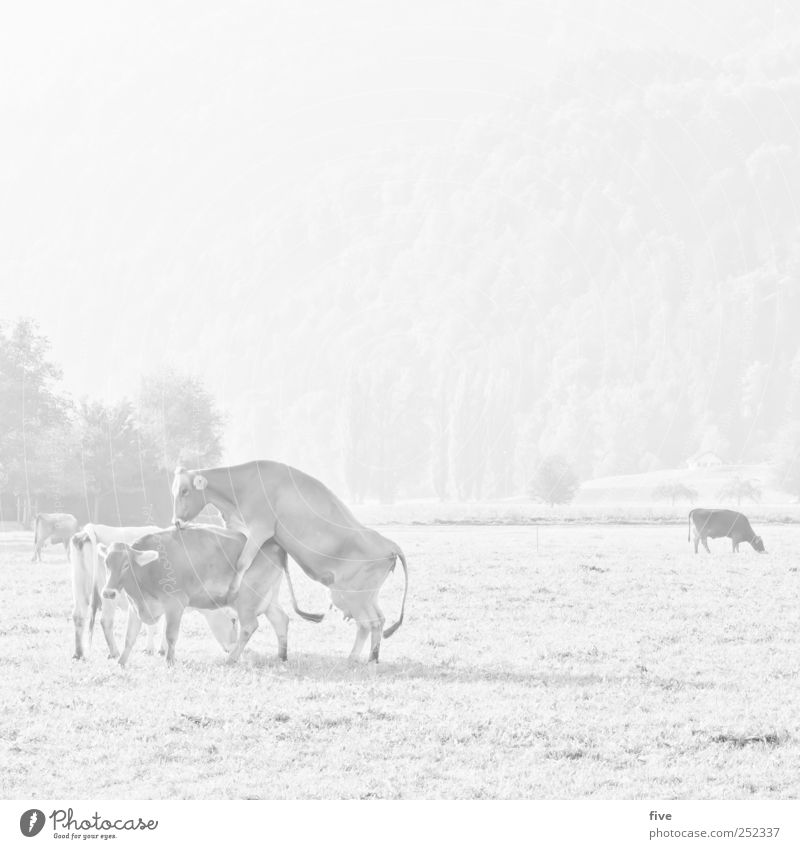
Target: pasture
(612,663)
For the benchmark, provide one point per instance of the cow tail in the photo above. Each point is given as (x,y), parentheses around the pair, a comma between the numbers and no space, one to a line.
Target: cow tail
(311,617)
(689,537)
(390,630)
(36,525)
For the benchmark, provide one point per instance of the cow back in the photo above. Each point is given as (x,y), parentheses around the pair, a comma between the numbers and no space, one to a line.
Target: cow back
(195,563)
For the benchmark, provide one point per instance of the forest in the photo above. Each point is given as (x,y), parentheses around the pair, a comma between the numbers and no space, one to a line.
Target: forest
(57,451)
(608,271)
(425,292)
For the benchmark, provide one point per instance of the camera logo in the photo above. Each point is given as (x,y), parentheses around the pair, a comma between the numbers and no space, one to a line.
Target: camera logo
(31,822)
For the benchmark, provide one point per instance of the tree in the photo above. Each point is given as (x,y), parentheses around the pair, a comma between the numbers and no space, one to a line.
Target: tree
(739,489)
(113,452)
(674,491)
(555,481)
(33,416)
(468,444)
(180,420)
(786,459)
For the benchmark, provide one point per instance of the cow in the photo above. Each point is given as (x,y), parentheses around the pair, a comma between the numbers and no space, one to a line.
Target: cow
(88,579)
(165,572)
(55,527)
(722,523)
(273,501)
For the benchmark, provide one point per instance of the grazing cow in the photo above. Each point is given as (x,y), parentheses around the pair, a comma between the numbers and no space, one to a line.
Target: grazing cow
(165,572)
(88,579)
(273,501)
(722,523)
(55,527)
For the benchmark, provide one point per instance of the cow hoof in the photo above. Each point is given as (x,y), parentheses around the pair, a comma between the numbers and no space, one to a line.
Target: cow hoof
(78,657)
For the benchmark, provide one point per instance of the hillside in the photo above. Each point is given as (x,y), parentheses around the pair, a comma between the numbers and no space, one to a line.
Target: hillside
(415,260)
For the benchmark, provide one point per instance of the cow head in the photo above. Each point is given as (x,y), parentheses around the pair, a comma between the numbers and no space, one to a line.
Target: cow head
(120,559)
(758,544)
(79,539)
(188,496)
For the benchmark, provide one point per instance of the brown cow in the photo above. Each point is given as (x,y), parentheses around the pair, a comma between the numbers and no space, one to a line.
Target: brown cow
(165,572)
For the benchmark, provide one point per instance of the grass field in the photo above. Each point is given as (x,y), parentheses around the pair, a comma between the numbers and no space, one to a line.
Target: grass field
(610,663)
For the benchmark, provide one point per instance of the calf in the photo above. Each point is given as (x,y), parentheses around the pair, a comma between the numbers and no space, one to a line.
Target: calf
(722,523)
(163,573)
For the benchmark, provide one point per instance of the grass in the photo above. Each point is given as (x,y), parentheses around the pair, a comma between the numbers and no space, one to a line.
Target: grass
(612,663)
(526,512)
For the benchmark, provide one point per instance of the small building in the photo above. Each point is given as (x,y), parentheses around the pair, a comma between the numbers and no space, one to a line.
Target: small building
(705,460)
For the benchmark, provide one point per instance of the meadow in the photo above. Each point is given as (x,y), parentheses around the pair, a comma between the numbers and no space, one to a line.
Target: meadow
(559,661)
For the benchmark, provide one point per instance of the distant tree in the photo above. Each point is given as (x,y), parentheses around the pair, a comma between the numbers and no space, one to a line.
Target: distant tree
(113,452)
(441,426)
(32,414)
(740,489)
(469,441)
(555,481)
(180,420)
(382,443)
(786,459)
(357,438)
(674,491)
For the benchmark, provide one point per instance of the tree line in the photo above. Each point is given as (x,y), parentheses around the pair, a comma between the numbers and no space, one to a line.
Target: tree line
(54,446)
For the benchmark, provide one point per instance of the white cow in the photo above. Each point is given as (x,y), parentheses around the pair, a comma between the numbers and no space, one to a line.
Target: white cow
(89,578)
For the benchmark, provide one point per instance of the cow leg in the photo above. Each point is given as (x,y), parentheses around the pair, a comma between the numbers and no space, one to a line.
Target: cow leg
(734,546)
(704,540)
(249,552)
(174,614)
(248,625)
(152,637)
(80,613)
(377,621)
(150,646)
(280,622)
(361,637)
(65,543)
(107,621)
(131,634)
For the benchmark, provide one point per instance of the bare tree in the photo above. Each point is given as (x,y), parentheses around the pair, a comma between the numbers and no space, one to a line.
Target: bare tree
(674,491)
(740,489)
(555,481)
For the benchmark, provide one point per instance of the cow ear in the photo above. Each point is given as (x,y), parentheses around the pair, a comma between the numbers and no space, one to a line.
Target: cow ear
(199,482)
(145,557)
(102,550)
